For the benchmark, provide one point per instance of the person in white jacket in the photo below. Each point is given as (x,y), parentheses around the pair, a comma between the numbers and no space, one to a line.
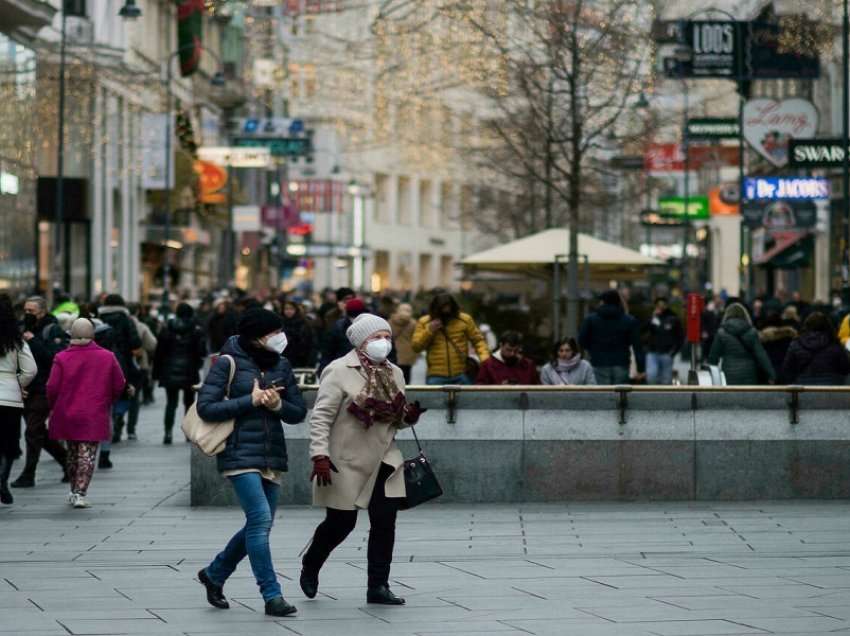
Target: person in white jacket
(17,370)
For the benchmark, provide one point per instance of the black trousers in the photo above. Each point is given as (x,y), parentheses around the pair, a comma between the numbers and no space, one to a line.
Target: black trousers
(338,524)
(172,396)
(36,412)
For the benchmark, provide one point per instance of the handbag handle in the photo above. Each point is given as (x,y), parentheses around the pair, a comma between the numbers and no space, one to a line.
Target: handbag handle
(416,437)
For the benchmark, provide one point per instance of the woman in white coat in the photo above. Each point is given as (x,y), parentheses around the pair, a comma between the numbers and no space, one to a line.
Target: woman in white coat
(17,370)
(356,463)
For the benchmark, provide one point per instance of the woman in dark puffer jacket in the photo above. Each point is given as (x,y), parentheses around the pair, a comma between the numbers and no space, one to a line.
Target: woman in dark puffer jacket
(817,358)
(263,394)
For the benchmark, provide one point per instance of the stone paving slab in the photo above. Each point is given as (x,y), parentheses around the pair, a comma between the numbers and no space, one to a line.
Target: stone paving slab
(128,564)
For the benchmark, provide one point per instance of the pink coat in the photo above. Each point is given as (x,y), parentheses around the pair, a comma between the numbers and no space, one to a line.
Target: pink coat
(84,383)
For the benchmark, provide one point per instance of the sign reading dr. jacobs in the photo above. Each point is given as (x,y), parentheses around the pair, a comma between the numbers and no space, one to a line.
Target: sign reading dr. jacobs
(794,188)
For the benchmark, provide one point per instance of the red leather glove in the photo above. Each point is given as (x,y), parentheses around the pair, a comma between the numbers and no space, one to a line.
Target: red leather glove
(412,412)
(322,467)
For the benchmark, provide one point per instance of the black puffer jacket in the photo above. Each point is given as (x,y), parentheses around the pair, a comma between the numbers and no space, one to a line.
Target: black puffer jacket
(43,355)
(299,351)
(609,335)
(180,353)
(257,440)
(126,339)
(816,359)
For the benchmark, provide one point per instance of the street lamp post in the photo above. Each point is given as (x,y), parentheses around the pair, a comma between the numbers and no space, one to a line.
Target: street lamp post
(845,172)
(216,80)
(358,234)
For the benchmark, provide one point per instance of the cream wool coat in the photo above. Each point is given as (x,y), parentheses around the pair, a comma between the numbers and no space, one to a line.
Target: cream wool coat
(356,451)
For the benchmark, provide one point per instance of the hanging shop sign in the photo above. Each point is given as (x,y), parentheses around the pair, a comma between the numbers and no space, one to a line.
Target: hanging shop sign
(794,188)
(770,125)
(777,49)
(267,126)
(278,146)
(236,157)
(668,157)
(211,181)
(675,207)
(780,215)
(713,128)
(716,49)
(816,153)
(723,200)
(153,126)
(654,218)
(246,218)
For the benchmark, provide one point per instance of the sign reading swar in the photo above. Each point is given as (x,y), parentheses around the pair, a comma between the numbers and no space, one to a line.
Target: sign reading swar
(794,188)
(813,153)
(236,157)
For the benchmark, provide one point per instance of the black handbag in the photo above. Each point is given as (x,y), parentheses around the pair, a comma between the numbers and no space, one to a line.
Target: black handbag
(420,482)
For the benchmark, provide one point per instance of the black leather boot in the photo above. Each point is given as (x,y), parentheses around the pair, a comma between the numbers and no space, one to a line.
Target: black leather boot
(103,461)
(279,607)
(5,469)
(215,593)
(381,595)
(309,583)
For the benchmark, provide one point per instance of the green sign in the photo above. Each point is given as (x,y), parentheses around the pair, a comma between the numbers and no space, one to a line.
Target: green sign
(278,146)
(675,207)
(713,128)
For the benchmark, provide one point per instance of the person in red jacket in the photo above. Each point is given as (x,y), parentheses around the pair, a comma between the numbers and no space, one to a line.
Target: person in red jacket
(507,365)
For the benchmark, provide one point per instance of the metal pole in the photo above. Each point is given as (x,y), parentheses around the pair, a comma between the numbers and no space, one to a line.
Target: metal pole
(556,300)
(230,261)
(166,256)
(60,161)
(687,226)
(845,172)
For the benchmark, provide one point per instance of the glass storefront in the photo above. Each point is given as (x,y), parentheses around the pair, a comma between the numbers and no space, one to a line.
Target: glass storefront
(17,167)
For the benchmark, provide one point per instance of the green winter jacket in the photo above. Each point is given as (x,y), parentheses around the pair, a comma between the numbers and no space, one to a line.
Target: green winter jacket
(737,344)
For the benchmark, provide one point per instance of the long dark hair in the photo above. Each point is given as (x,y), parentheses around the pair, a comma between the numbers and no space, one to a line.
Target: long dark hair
(441,300)
(818,322)
(10,335)
(556,348)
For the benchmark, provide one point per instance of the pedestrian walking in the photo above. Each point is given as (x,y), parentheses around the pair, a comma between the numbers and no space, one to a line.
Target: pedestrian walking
(179,356)
(262,395)
(776,337)
(567,366)
(610,336)
(17,371)
(738,350)
(665,340)
(126,343)
(445,334)
(507,365)
(143,361)
(222,324)
(403,326)
(85,381)
(356,463)
(299,351)
(36,409)
(337,344)
(816,357)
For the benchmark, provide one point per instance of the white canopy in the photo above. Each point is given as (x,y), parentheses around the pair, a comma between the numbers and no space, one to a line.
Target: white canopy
(540,250)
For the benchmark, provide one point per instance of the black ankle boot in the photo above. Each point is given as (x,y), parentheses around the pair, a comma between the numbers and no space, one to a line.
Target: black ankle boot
(103,461)
(381,595)
(279,607)
(309,583)
(5,469)
(215,593)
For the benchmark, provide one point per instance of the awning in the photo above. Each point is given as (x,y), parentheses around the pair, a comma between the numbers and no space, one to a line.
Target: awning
(790,251)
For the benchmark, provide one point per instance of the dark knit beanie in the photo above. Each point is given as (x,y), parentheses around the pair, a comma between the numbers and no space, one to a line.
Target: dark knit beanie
(256,323)
(114,300)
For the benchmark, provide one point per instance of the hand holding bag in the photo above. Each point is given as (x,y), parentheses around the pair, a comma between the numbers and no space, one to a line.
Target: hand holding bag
(420,482)
(209,437)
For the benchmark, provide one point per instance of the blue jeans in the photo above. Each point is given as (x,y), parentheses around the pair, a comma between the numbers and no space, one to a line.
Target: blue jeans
(437,380)
(609,376)
(659,368)
(258,498)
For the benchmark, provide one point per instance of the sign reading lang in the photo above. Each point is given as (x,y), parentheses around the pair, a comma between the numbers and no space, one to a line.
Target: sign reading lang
(769,126)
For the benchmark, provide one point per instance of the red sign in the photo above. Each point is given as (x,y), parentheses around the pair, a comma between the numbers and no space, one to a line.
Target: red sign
(695,305)
(669,157)
(315,195)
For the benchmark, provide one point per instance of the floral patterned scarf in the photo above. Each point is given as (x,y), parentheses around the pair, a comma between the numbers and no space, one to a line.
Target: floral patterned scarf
(380,400)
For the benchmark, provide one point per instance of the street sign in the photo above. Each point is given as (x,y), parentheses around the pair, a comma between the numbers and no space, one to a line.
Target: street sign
(713,128)
(653,218)
(816,153)
(267,126)
(236,157)
(627,162)
(789,188)
(675,207)
(278,146)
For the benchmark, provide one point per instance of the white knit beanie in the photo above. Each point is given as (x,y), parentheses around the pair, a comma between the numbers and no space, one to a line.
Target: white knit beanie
(364,326)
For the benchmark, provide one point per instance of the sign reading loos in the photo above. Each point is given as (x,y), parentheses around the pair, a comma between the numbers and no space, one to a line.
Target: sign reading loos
(792,188)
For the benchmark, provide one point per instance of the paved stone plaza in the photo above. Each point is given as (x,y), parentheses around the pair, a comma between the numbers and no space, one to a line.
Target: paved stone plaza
(128,565)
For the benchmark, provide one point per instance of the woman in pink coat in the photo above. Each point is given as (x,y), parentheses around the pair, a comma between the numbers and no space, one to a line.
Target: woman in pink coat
(85,381)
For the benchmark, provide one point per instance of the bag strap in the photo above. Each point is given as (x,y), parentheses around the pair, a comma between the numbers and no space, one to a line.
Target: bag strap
(416,437)
(453,344)
(231,374)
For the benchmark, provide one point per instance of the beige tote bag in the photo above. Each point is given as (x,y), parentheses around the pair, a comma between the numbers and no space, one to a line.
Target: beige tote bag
(209,437)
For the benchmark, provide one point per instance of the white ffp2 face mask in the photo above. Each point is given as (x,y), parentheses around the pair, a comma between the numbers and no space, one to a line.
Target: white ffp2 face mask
(378,350)
(276,343)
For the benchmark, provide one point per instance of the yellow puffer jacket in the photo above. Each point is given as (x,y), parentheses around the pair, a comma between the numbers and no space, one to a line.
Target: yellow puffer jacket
(447,348)
(844,330)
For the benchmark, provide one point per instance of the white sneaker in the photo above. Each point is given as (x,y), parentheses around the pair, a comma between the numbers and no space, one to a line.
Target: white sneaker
(80,502)
(71,496)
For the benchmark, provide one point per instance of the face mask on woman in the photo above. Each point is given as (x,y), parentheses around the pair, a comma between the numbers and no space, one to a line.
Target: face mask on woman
(378,350)
(276,343)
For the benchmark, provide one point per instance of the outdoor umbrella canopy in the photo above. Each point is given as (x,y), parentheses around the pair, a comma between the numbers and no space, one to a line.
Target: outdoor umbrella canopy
(538,252)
